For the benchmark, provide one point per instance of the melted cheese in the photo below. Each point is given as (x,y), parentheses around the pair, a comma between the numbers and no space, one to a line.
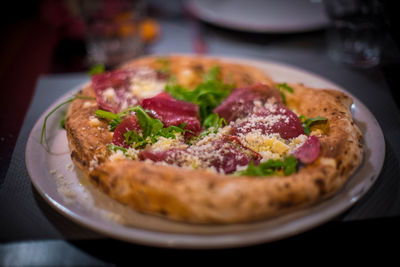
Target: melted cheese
(109,94)
(144,84)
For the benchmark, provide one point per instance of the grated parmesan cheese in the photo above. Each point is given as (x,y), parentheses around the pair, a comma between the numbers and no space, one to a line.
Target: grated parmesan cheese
(94,122)
(144,84)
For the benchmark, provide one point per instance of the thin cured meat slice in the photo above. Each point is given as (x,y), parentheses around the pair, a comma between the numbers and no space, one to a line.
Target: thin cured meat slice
(172,112)
(128,124)
(271,119)
(224,155)
(119,89)
(309,151)
(241,101)
(112,90)
(164,103)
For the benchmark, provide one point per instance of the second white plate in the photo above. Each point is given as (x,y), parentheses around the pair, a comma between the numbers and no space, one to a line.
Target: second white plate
(262,16)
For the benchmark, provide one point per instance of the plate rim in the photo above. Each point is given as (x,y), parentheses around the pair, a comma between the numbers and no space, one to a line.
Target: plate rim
(194,9)
(196,241)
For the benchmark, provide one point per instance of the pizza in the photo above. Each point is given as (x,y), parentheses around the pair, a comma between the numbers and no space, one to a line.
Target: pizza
(203,140)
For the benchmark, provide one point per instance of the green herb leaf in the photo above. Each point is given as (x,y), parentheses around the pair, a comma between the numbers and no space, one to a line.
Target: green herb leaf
(97,69)
(165,65)
(64,117)
(115,148)
(282,87)
(125,151)
(207,95)
(135,139)
(43,133)
(271,167)
(285,87)
(113,118)
(213,120)
(307,122)
(152,130)
(289,165)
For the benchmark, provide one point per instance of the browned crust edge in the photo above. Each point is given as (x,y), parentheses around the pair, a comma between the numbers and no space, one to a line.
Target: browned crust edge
(204,197)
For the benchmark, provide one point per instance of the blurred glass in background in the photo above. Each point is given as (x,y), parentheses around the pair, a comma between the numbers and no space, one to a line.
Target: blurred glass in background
(112,30)
(357,31)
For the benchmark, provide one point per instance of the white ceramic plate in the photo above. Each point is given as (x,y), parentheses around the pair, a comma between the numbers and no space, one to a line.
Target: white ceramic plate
(262,16)
(53,175)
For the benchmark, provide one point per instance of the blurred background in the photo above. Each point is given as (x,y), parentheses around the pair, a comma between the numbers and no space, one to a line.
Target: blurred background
(54,43)
(68,36)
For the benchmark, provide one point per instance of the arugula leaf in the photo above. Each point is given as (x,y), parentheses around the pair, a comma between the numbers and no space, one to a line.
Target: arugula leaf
(165,65)
(214,74)
(282,87)
(149,125)
(135,139)
(97,69)
(207,95)
(213,120)
(64,117)
(125,151)
(307,122)
(115,148)
(289,165)
(152,130)
(76,96)
(114,119)
(271,167)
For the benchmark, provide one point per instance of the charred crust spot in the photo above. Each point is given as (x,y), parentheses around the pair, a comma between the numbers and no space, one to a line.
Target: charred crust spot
(287,185)
(325,109)
(342,171)
(286,204)
(164,212)
(339,163)
(211,185)
(95,179)
(333,113)
(198,68)
(320,183)
(75,156)
(271,203)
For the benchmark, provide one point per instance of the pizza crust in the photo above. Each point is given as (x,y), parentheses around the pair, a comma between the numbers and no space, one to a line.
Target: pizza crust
(201,196)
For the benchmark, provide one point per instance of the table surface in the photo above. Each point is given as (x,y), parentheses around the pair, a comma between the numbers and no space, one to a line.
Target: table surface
(33,233)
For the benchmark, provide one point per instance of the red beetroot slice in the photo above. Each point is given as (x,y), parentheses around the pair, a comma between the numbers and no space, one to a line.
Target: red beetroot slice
(241,101)
(309,151)
(283,121)
(119,81)
(128,124)
(172,112)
